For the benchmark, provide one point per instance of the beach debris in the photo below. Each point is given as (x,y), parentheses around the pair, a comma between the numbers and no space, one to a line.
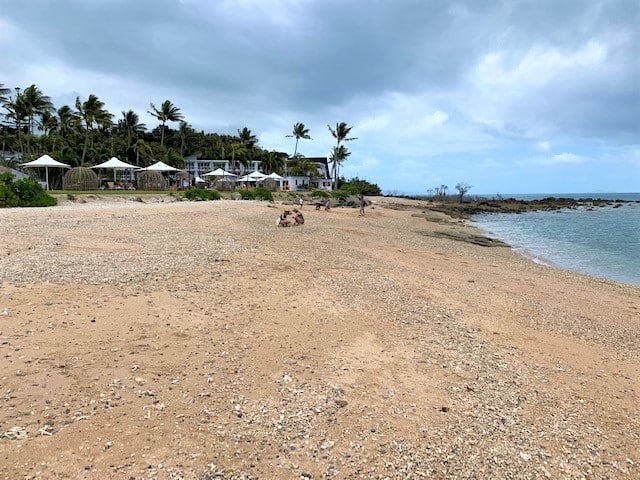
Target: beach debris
(15,433)
(47,429)
(341,403)
(116,383)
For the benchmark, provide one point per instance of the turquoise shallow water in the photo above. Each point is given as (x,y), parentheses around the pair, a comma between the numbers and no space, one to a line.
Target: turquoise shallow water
(603,242)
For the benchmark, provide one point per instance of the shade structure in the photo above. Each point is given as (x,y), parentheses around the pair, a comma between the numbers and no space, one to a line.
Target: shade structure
(276,177)
(256,175)
(160,167)
(115,164)
(219,172)
(200,180)
(46,161)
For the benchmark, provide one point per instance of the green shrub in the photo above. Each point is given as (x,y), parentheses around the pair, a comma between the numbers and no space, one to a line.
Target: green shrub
(8,195)
(246,194)
(320,193)
(23,193)
(356,186)
(200,194)
(340,194)
(262,193)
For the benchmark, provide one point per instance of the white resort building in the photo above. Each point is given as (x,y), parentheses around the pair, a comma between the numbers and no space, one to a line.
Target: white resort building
(197,166)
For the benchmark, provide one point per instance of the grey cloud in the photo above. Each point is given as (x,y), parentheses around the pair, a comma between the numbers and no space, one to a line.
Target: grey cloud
(334,51)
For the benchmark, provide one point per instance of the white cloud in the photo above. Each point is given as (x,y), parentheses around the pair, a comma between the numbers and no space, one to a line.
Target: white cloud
(543,146)
(558,159)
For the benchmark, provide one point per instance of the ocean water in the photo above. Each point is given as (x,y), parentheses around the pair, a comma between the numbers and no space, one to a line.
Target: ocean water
(602,242)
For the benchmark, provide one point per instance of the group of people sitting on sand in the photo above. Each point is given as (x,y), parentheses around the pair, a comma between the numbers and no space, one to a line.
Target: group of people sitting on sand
(288,218)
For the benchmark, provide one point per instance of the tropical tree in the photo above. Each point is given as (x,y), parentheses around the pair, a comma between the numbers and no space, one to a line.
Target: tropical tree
(4,91)
(142,149)
(338,155)
(303,166)
(341,134)
(299,131)
(130,128)
(238,150)
(48,123)
(68,122)
(91,112)
(167,112)
(185,132)
(17,114)
(248,139)
(273,162)
(35,103)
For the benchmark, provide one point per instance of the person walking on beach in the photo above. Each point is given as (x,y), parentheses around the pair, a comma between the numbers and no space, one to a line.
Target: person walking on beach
(363,203)
(300,202)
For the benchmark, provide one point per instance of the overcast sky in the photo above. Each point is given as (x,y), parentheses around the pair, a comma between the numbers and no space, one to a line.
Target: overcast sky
(538,96)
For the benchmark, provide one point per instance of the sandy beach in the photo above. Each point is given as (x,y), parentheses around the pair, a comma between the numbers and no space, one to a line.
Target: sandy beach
(197,340)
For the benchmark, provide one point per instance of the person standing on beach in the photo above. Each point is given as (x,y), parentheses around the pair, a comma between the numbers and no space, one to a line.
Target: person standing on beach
(300,202)
(363,203)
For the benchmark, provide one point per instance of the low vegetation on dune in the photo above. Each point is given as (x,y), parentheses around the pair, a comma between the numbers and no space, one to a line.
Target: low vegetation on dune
(23,193)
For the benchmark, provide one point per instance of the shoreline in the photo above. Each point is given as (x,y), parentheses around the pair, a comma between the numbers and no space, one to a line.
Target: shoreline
(150,340)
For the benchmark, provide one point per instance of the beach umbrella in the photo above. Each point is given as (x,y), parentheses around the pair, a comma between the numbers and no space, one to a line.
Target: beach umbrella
(115,164)
(46,161)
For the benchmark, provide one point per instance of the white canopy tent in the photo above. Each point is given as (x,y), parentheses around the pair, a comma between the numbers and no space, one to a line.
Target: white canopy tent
(256,175)
(46,161)
(160,167)
(219,172)
(115,164)
(275,177)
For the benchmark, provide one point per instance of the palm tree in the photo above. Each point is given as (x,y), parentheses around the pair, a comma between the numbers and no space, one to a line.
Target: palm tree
(4,91)
(340,133)
(238,149)
(304,167)
(299,131)
(48,123)
(68,121)
(141,149)
(16,111)
(185,131)
(272,162)
(247,138)
(35,103)
(168,112)
(91,111)
(130,127)
(338,155)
